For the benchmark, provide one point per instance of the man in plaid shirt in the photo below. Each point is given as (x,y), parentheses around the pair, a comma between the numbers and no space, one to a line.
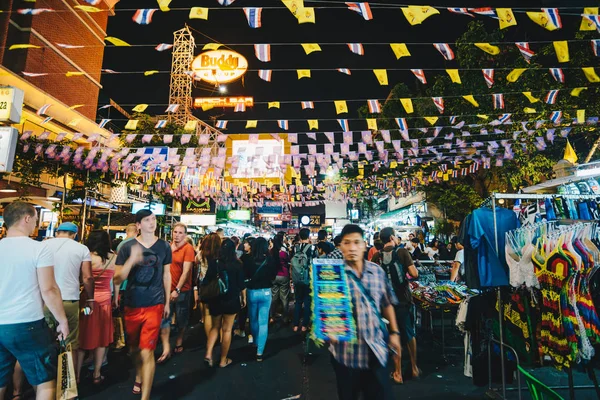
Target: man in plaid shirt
(361,367)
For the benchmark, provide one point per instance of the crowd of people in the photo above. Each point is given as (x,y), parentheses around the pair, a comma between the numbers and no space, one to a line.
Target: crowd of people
(239,286)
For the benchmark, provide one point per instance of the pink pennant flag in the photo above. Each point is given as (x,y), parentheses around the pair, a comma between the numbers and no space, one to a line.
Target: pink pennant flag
(311,135)
(330,137)
(385,134)
(367,137)
(397,145)
(185,138)
(293,137)
(167,139)
(130,138)
(348,139)
(147,138)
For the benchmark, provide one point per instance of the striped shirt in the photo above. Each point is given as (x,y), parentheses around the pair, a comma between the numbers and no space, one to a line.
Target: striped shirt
(335,254)
(370,337)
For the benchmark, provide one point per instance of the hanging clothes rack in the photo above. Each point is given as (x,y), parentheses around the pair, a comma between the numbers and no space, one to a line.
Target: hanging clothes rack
(491,202)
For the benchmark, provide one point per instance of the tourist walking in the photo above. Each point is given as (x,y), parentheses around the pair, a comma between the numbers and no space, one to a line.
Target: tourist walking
(300,265)
(281,285)
(247,263)
(145,262)
(96,329)
(260,277)
(224,307)
(209,252)
(27,284)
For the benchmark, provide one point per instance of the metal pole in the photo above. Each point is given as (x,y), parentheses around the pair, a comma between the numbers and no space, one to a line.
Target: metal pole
(500,315)
(84,216)
(108,223)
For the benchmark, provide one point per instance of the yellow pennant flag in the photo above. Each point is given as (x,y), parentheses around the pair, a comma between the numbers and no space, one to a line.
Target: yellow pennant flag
(400,50)
(251,124)
(408,105)
(471,100)
(89,9)
(417,14)
(590,74)
(198,13)
(431,120)
(381,75)
(211,46)
(132,124)
(586,24)
(372,124)
(529,110)
(313,124)
(116,41)
(483,116)
(140,108)
(310,47)
(515,74)
(454,76)
(542,20)
(303,73)
(393,165)
(577,91)
(206,107)
(562,51)
(23,46)
(164,5)
(295,6)
(506,17)
(488,48)
(530,97)
(73,107)
(73,73)
(580,116)
(190,125)
(306,16)
(340,106)
(570,154)
(273,104)
(446,177)
(151,72)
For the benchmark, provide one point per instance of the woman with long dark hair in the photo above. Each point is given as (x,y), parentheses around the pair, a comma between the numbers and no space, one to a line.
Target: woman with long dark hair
(224,307)
(281,286)
(247,263)
(96,329)
(208,252)
(260,277)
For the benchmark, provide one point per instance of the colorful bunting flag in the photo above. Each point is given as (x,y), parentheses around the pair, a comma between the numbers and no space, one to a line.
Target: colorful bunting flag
(303,73)
(357,48)
(313,124)
(344,71)
(595,46)
(344,125)
(488,75)
(160,124)
(253,14)
(445,50)
(525,50)
(164,5)
(551,96)
(240,107)
(144,16)
(532,99)
(283,124)
(562,51)
(330,136)
(225,2)
(590,74)
(586,24)
(131,124)
(310,47)
(454,76)
(89,9)
(163,47)
(307,105)
(33,11)
(557,74)
(556,117)
(251,124)
(471,100)
(420,75)
(191,125)
(306,15)
(221,124)
(417,14)
(488,48)
(212,46)
(361,8)
(577,91)
(198,13)
(340,106)
(439,103)
(116,41)
(263,52)
(463,11)
(273,104)
(372,124)
(431,120)
(103,123)
(498,101)
(265,74)
(172,108)
(23,46)
(548,18)
(43,109)
(400,50)
(69,46)
(515,74)
(580,116)
(374,106)
(486,11)
(140,108)
(381,75)
(506,17)
(408,105)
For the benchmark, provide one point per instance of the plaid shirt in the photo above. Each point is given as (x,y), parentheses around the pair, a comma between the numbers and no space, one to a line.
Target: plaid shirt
(336,255)
(370,337)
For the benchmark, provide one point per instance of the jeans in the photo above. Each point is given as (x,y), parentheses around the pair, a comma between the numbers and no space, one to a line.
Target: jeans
(281,291)
(302,293)
(259,304)
(373,383)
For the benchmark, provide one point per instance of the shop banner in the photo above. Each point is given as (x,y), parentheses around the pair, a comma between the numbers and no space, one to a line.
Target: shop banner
(332,304)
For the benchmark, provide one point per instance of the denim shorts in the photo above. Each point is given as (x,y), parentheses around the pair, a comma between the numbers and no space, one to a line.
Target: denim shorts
(405,318)
(181,309)
(31,344)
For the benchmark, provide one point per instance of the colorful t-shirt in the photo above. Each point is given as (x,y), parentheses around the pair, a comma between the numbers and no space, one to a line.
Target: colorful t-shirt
(183,254)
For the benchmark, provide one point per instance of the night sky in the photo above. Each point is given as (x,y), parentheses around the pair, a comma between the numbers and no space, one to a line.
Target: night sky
(228,25)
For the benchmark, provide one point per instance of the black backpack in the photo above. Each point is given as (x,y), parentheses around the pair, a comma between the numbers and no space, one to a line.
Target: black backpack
(396,273)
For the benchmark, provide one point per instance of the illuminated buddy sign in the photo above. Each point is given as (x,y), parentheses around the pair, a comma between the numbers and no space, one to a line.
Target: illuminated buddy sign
(219,66)
(11,104)
(205,206)
(223,101)
(238,215)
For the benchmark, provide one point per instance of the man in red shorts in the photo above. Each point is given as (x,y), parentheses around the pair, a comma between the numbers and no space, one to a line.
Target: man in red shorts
(146,263)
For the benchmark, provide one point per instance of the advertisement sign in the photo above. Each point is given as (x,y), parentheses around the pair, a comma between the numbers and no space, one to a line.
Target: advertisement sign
(230,102)
(156,208)
(269,209)
(238,215)
(8,146)
(332,304)
(219,66)
(203,206)
(11,104)
(199,220)
(315,220)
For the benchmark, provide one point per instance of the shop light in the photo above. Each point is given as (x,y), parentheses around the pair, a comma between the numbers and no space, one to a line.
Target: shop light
(8,189)
(222,89)
(57,196)
(587,172)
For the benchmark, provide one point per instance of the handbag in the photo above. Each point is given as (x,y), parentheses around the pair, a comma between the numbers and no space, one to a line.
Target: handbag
(118,333)
(66,384)
(382,321)
(214,288)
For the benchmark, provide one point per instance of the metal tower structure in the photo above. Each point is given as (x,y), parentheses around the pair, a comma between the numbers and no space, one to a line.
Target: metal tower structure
(181,88)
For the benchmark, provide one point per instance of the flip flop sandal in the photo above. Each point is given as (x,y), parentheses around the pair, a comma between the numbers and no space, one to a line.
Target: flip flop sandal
(395,381)
(137,388)
(208,362)
(178,349)
(98,380)
(228,362)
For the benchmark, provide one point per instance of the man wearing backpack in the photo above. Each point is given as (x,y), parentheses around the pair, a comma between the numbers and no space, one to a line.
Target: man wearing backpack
(300,267)
(397,262)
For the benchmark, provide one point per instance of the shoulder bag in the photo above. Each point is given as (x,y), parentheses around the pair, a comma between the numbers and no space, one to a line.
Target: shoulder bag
(382,321)
(214,288)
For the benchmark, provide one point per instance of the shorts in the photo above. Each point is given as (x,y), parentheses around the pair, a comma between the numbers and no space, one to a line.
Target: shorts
(181,310)
(72,311)
(31,344)
(405,318)
(143,326)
